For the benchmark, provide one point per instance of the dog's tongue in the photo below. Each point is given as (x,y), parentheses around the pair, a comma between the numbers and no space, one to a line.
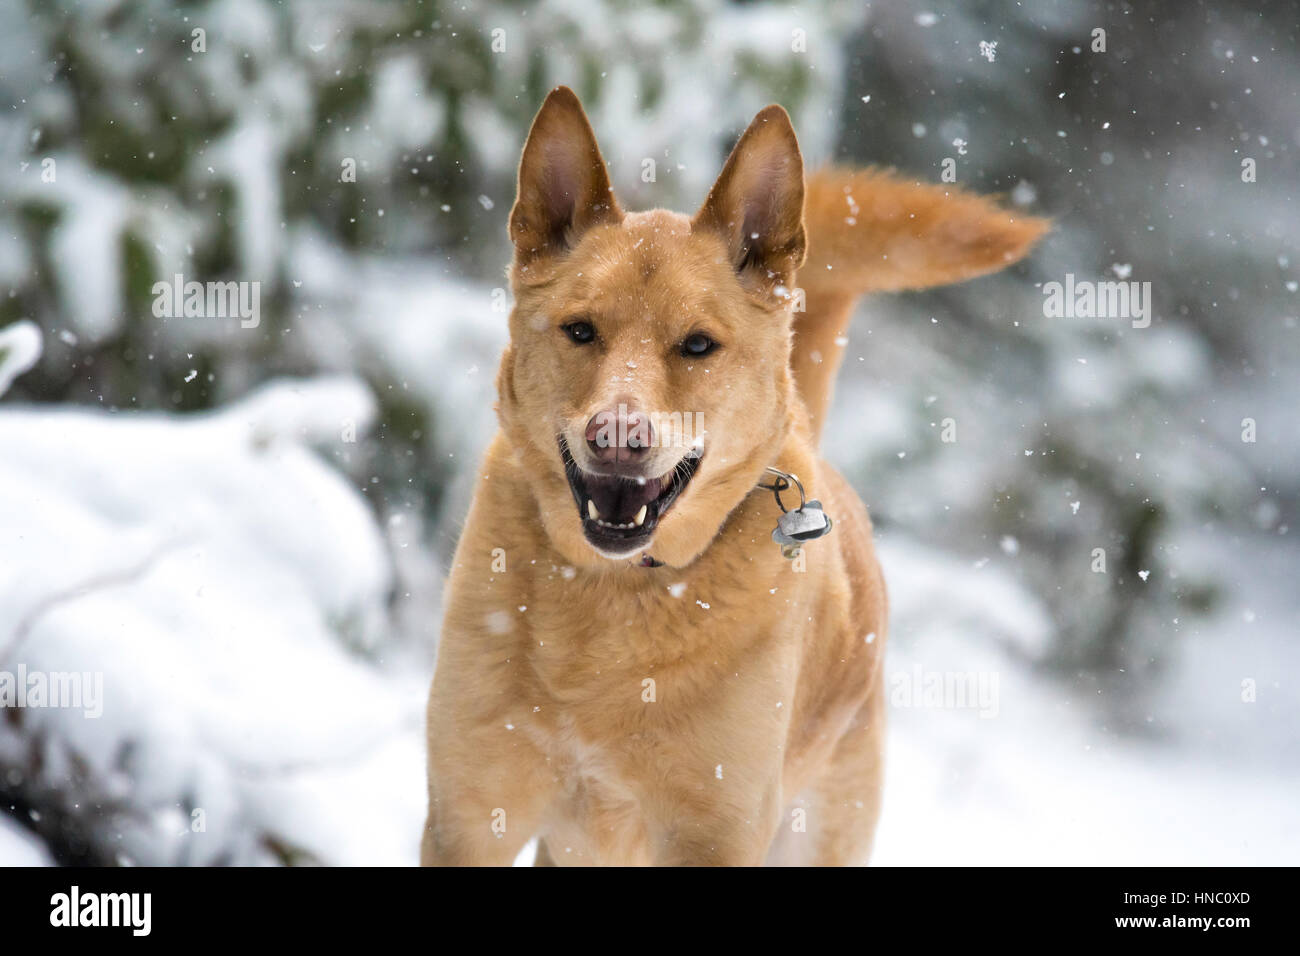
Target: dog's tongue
(619,499)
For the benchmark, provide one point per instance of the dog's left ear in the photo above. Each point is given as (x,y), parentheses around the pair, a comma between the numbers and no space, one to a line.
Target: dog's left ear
(757,203)
(563,185)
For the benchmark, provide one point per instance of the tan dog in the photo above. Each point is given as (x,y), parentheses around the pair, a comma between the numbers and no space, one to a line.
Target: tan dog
(629,668)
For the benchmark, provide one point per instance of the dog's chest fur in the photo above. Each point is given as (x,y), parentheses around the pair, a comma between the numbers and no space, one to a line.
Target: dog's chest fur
(632,690)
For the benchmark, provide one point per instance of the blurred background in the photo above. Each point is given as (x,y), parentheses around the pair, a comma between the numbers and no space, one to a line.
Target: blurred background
(239,530)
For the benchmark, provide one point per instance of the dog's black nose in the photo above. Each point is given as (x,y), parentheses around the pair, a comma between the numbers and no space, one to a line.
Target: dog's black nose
(619,434)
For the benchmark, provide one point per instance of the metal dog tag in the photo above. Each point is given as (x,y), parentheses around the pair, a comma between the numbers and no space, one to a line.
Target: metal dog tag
(804,524)
(793,528)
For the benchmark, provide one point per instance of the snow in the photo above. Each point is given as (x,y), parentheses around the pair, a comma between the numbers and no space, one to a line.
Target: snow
(20,349)
(1047,781)
(19,846)
(234,628)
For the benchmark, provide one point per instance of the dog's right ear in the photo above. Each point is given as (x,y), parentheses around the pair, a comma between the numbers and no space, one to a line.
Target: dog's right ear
(563,185)
(756,205)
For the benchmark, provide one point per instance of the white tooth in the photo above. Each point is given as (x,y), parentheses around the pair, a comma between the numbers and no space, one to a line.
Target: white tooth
(639,520)
(592,513)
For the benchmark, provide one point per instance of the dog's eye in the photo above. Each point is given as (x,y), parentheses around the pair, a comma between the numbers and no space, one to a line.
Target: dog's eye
(580,332)
(697,345)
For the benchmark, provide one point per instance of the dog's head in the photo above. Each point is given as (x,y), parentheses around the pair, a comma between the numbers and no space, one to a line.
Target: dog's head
(647,379)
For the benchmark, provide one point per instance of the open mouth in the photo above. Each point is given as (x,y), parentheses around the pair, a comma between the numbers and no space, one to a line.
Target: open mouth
(619,515)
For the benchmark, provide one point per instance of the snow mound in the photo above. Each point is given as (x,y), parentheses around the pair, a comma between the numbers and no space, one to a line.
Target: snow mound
(18,847)
(225,589)
(20,349)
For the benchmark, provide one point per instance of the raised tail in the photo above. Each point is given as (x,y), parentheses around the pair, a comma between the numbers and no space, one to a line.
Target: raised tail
(871,230)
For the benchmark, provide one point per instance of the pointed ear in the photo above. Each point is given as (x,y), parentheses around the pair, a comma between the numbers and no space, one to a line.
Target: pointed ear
(756,205)
(563,185)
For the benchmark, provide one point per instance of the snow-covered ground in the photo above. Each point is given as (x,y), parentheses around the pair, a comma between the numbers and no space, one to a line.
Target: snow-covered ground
(1043,780)
(219,593)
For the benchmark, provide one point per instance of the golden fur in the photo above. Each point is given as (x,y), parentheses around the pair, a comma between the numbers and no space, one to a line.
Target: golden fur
(726,706)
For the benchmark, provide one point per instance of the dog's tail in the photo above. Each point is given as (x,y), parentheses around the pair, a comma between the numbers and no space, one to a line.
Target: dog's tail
(873,231)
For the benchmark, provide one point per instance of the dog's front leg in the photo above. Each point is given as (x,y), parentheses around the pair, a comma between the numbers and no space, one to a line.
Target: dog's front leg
(725,834)
(482,809)
(489,784)
(471,834)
